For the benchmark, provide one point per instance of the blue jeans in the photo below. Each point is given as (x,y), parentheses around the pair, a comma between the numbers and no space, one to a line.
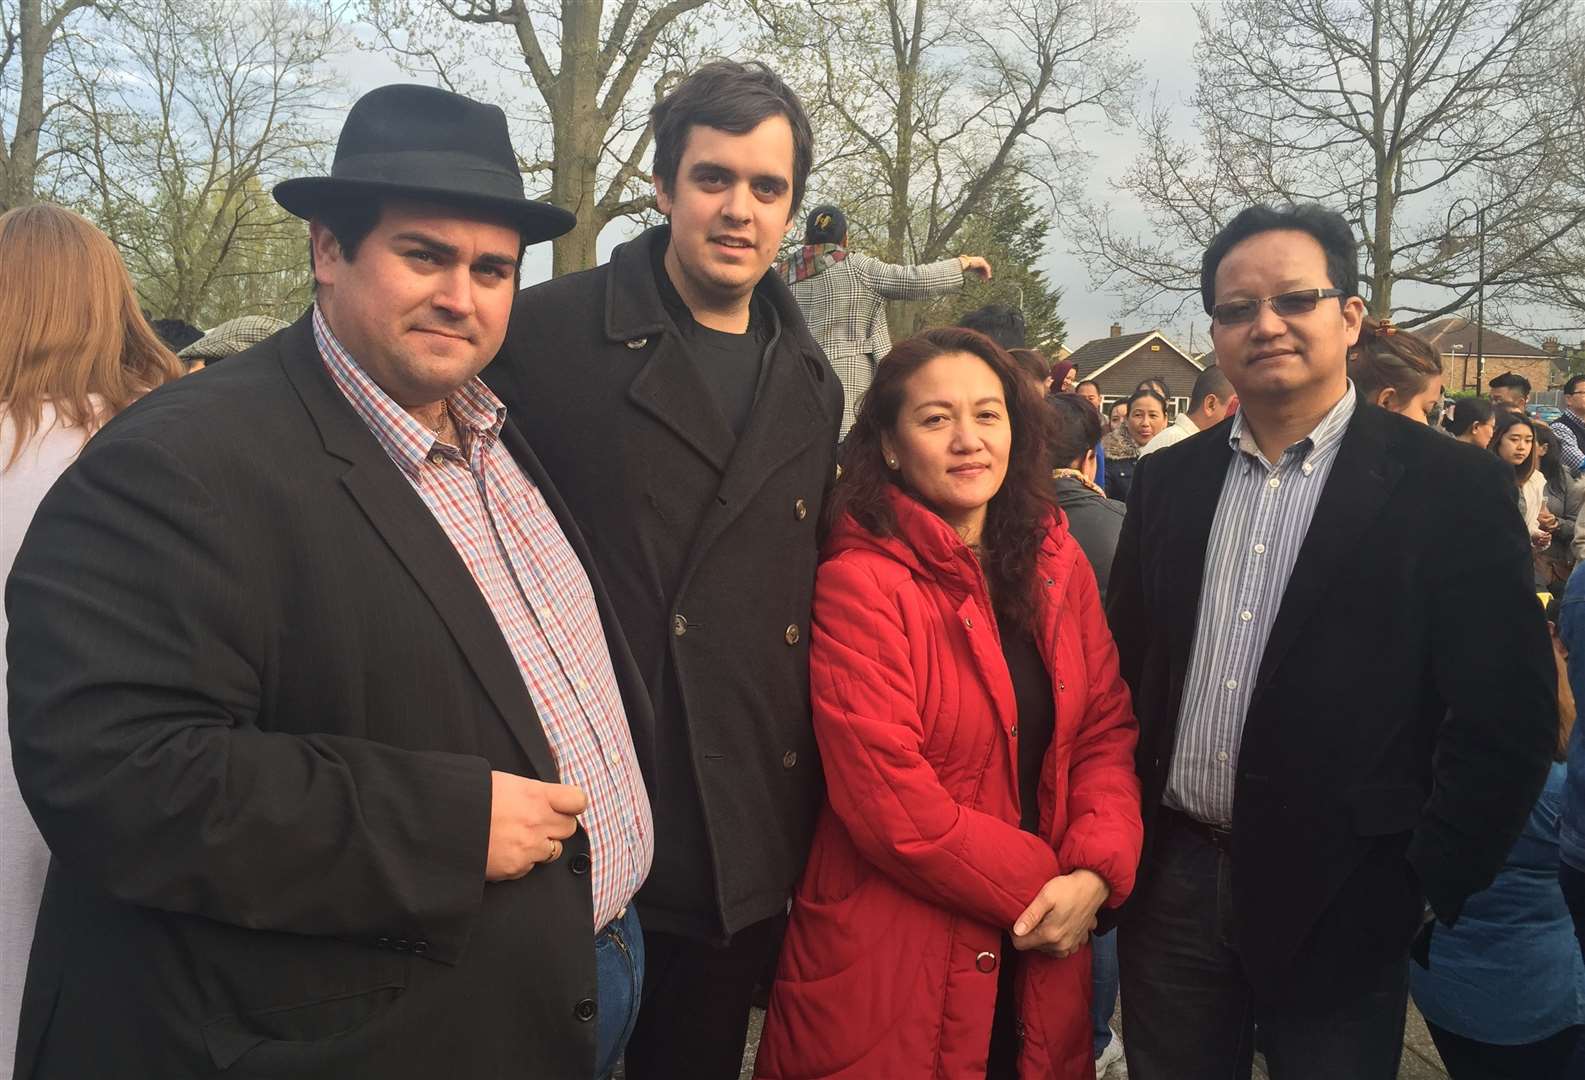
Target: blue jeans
(1103,983)
(619,976)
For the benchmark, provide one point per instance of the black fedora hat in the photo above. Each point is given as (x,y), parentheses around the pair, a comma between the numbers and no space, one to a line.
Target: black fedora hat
(423,143)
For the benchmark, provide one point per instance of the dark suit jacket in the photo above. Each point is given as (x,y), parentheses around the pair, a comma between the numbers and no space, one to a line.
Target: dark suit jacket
(255,702)
(708,544)
(1397,735)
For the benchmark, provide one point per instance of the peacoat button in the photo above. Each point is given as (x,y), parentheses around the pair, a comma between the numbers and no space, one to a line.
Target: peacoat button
(382,943)
(584,1011)
(789,759)
(420,948)
(637,343)
(792,634)
(800,509)
(400,945)
(580,863)
(986,961)
(679,625)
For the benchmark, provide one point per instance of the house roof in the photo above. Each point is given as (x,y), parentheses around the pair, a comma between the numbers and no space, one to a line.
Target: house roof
(1094,357)
(1451,330)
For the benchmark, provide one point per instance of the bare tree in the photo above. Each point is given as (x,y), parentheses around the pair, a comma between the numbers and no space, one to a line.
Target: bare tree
(596,69)
(175,155)
(924,107)
(32,33)
(1412,117)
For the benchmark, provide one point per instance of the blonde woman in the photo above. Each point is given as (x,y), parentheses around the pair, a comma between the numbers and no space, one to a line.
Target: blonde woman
(74,350)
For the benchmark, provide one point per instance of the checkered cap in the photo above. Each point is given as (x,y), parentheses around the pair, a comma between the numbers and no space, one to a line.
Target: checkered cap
(232,336)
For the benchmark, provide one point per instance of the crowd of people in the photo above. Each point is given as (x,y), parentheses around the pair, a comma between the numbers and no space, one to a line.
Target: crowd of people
(465,681)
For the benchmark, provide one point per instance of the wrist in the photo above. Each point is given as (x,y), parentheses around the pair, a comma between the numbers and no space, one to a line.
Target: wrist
(1094,883)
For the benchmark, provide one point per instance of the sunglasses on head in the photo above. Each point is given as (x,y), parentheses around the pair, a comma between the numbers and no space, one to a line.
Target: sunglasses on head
(1286,305)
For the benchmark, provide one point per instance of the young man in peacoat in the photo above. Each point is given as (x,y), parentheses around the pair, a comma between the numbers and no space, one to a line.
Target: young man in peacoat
(703,525)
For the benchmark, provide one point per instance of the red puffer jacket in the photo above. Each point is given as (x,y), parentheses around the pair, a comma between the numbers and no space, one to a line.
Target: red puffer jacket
(918,866)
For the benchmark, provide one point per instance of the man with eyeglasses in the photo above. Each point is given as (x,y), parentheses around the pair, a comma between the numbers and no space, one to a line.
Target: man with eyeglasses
(1324,744)
(1570,426)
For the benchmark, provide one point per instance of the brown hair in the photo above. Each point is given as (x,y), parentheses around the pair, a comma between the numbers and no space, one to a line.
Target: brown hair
(1076,428)
(1015,517)
(73,328)
(1032,362)
(1388,358)
(735,98)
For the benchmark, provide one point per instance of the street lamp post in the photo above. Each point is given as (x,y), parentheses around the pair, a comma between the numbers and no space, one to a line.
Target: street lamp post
(1463,373)
(1480,301)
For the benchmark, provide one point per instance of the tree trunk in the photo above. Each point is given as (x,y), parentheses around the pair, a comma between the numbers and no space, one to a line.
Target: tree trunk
(577,130)
(21,169)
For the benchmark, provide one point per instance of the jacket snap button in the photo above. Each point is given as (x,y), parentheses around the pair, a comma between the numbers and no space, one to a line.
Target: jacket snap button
(420,948)
(789,759)
(986,961)
(679,625)
(382,943)
(1014,732)
(792,634)
(969,623)
(800,509)
(839,472)
(580,863)
(400,945)
(637,343)
(584,1010)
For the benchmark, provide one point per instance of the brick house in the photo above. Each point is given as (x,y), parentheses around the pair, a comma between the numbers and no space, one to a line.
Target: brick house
(1456,339)
(1119,362)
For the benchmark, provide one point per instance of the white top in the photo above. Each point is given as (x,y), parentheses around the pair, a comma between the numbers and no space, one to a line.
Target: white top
(23,856)
(1173,433)
(1534,494)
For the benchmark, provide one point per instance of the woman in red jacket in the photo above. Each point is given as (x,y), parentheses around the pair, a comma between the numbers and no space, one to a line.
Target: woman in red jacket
(978,746)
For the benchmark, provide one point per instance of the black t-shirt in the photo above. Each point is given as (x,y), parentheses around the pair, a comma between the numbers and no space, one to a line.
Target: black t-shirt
(1037,716)
(729,363)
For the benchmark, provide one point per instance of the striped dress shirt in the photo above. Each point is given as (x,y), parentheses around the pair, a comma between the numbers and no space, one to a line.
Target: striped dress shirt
(1260,524)
(541,598)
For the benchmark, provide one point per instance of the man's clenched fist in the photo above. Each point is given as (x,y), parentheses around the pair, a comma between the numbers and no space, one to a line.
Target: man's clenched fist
(528,821)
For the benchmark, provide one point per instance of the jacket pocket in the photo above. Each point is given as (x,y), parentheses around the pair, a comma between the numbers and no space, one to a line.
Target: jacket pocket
(229,1037)
(1385,811)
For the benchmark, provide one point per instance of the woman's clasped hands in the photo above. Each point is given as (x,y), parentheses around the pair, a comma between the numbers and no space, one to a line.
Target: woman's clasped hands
(1059,919)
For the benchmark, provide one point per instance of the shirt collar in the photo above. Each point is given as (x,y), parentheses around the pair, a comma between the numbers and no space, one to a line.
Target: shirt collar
(1185,423)
(404,439)
(1323,438)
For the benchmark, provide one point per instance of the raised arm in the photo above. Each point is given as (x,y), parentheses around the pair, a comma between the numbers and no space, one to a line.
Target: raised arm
(910,282)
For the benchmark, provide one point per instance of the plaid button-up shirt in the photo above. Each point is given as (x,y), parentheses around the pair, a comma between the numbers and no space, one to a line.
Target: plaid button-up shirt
(1261,521)
(541,598)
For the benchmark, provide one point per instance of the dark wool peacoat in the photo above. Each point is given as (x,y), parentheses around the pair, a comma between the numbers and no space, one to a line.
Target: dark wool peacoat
(256,698)
(1392,750)
(707,542)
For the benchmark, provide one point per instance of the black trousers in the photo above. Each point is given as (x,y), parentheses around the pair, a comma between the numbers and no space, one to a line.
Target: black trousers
(693,1022)
(1188,1010)
(1467,1059)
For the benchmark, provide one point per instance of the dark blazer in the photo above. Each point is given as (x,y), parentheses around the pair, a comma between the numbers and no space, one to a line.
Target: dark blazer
(1395,742)
(708,545)
(255,701)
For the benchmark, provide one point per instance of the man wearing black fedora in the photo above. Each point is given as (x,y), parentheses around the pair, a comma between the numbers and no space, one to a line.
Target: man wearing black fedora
(315,693)
(690,420)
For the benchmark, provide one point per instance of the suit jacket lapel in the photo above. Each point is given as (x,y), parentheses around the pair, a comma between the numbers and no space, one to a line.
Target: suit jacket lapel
(1360,483)
(410,530)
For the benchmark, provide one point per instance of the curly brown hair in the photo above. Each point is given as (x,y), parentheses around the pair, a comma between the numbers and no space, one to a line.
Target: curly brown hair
(1014,519)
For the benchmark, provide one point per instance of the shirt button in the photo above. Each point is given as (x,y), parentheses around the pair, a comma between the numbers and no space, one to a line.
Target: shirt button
(436,457)
(1221,755)
(1308,468)
(679,625)
(792,635)
(800,509)
(1246,615)
(1231,684)
(1260,549)
(1274,482)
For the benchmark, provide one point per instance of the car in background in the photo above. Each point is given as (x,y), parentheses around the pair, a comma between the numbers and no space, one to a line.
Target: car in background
(1545,413)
